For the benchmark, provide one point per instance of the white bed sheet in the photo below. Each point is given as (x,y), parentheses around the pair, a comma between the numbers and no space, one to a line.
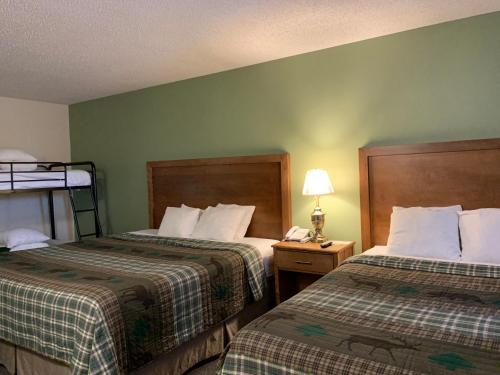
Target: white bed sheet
(264,245)
(382,250)
(75,178)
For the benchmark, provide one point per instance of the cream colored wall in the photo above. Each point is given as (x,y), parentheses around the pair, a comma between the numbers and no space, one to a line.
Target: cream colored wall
(42,129)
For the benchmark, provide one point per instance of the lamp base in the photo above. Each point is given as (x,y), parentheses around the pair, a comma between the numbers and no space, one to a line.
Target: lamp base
(318,238)
(318,221)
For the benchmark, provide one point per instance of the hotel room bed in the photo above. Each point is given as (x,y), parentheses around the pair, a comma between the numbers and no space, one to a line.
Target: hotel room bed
(380,314)
(113,304)
(140,304)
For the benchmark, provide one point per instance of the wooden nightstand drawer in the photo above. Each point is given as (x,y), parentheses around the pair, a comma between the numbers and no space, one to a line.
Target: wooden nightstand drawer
(297,265)
(304,262)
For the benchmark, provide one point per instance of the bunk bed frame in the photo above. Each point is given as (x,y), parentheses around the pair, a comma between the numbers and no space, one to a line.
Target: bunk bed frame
(62,176)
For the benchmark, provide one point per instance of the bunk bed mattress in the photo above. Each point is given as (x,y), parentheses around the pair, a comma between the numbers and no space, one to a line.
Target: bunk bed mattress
(112,304)
(379,315)
(25,180)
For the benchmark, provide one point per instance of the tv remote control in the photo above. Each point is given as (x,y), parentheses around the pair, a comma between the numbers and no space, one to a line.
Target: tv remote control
(326,244)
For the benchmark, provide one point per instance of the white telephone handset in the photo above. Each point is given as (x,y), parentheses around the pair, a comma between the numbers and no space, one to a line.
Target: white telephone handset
(297,234)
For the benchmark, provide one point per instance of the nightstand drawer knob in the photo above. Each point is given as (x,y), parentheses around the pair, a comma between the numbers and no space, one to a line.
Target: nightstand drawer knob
(302,262)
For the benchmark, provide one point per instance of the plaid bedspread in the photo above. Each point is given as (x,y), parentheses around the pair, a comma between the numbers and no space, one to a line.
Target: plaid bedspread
(109,305)
(379,315)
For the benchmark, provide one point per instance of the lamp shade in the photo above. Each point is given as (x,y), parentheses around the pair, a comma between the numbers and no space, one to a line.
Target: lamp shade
(317,182)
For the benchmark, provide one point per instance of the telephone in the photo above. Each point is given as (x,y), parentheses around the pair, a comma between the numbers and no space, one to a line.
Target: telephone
(297,233)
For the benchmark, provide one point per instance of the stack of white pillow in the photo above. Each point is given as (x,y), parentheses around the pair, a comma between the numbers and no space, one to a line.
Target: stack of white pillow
(446,233)
(225,222)
(23,239)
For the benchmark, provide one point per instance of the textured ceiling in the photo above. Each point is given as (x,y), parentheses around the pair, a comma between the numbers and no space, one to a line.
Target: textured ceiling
(67,51)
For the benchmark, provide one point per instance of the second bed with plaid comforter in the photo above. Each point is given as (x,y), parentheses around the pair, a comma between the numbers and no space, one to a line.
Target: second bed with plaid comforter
(379,315)
(105,306)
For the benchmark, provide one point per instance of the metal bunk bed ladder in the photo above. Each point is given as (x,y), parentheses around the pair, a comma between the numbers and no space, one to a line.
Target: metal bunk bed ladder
(93,209)
(92,189)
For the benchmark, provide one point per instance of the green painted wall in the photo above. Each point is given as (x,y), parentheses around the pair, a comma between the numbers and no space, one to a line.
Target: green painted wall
(431,84)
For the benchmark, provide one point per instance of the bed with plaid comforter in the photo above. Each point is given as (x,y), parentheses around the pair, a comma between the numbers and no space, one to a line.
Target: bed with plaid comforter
(379,315)
(109,305)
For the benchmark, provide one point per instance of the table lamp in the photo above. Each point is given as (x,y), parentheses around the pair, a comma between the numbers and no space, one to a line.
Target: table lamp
(317,183)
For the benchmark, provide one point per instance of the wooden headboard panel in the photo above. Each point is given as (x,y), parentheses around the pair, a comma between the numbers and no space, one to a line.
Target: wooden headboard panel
(261,181)
(430,174)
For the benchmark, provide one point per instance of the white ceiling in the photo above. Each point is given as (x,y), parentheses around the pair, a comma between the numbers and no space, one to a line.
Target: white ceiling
(67,51)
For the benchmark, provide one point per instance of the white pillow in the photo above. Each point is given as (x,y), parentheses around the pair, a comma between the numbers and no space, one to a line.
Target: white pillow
(7,155)
(37,245)
(179,221)
(16,237)
(245,221)
(480,233)
(219,223)
(428,232)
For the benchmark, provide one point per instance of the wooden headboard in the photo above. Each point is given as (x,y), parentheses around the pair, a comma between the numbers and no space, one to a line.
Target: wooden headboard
(429,174)
(262,181)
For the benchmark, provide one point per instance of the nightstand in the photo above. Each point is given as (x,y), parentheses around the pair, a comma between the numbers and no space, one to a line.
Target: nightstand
(297,265)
